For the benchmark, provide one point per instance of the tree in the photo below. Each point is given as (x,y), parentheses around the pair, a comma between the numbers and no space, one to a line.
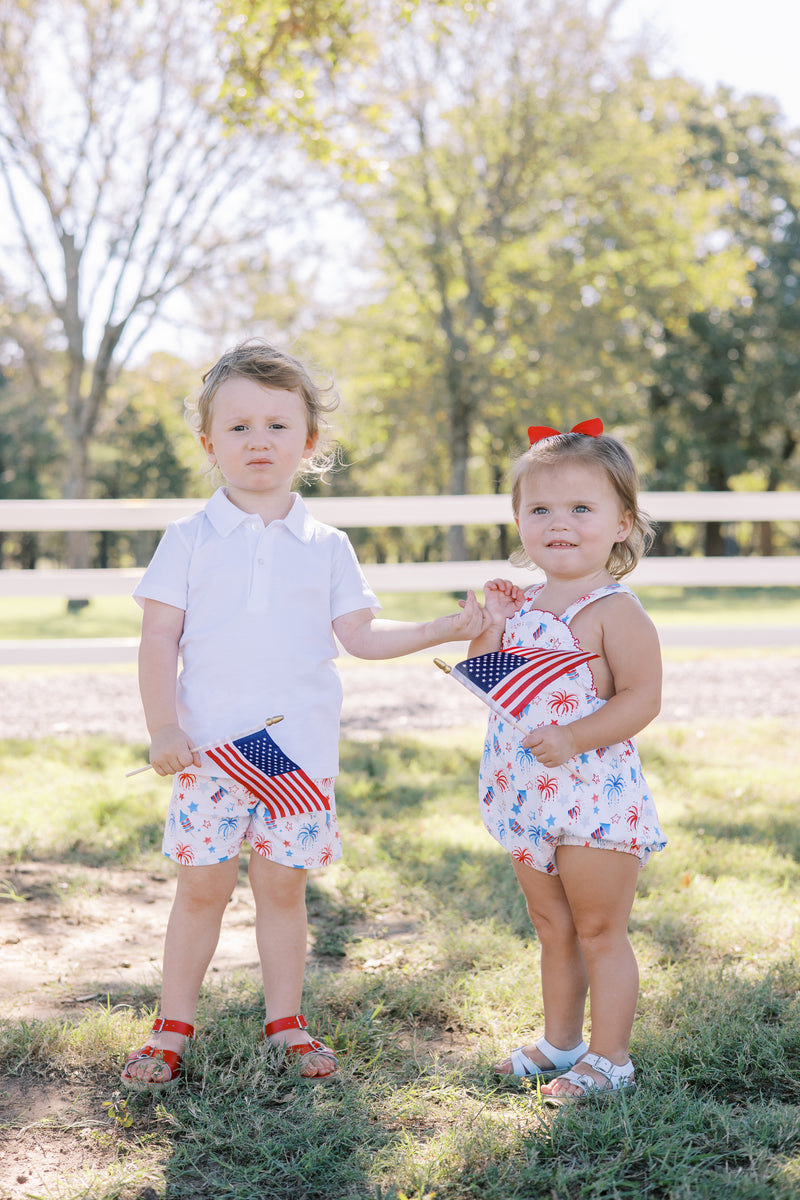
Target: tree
(725,394)
(534,226)
(122,184)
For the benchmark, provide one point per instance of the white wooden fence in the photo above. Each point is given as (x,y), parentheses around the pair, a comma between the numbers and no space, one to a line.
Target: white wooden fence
(361,511)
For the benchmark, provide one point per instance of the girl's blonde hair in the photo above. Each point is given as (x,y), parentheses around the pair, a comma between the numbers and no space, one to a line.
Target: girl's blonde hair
(611,456)
(272,368)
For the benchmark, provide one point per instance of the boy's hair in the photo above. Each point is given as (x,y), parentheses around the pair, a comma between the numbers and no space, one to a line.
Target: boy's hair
(611,456)
(272,368)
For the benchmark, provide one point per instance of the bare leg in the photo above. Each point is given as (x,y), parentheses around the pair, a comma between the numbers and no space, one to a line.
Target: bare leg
(563,970)
(281,934)
(600,886)
(192,935)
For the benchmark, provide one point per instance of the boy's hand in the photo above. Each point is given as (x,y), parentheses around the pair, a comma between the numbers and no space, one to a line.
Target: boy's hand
(552,745)
(171,751)
(467,624)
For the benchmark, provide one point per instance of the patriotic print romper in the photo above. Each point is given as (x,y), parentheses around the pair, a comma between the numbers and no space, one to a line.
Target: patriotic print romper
(530,809)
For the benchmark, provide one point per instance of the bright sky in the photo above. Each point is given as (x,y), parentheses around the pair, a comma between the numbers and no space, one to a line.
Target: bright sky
(749,45)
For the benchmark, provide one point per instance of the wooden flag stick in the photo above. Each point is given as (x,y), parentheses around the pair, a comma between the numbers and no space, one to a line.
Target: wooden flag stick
(501,712)
(210,745)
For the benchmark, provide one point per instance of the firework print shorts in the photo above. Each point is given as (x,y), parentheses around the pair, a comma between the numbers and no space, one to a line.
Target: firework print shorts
(210,816)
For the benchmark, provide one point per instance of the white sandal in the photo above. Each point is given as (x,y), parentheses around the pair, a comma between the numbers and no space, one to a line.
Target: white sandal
(524,1066)
(617,1078)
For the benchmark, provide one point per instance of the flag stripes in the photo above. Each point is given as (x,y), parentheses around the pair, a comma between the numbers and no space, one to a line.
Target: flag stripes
(260,765)
(513,678)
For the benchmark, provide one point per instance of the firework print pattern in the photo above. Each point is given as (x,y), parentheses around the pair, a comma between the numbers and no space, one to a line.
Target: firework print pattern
(530,809)
(211,815)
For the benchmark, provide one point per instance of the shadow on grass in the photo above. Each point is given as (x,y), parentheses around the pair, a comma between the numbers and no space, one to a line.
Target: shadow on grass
(783,835)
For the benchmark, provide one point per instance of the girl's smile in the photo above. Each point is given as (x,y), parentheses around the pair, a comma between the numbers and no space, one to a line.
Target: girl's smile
(570,517)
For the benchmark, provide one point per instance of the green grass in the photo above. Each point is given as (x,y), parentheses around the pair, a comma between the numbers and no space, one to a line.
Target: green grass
(430,972)
(120,616)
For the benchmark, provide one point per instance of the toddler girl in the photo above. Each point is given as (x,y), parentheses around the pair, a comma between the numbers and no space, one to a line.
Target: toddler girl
(568,800)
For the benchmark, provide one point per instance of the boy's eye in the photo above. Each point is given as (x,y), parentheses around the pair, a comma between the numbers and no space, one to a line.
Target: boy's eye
(539,510)
(277,425)
(581,508)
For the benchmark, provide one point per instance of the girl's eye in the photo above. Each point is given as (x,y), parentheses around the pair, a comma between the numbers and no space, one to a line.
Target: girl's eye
(539,511)
(238,428)
(581,508)
(277,425)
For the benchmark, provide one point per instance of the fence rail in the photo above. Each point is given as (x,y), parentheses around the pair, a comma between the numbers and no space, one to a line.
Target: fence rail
(364,511)
(351,512)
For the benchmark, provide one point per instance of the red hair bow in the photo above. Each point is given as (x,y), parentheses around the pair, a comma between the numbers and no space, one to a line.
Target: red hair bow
(592,428)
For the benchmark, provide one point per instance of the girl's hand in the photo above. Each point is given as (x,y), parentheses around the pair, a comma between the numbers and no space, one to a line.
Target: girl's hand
(170,751)
(552,745)
(502,599)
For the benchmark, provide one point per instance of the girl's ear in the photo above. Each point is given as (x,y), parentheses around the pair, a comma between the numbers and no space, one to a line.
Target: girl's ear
(625,525)
(311,445)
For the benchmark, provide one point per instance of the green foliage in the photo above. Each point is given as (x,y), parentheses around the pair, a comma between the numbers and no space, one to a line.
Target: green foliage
(535,233)
(726,380)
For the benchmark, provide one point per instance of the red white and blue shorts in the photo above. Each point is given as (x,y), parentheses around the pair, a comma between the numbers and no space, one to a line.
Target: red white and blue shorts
(211,815)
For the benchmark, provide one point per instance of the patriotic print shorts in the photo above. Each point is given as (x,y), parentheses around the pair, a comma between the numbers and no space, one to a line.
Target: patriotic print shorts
(211,815)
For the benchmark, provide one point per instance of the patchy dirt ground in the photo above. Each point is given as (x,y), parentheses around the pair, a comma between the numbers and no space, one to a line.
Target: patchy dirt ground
(81,931)
(71,935)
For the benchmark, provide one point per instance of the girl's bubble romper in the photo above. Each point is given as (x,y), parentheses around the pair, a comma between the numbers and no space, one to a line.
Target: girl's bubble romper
(599,798)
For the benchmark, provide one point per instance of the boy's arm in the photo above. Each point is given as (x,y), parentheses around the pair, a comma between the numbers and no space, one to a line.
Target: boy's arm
(630,645)
(366,636)
(162,626)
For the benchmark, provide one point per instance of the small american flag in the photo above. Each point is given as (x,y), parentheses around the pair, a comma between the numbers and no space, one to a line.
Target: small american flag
(512,678)
(261,766)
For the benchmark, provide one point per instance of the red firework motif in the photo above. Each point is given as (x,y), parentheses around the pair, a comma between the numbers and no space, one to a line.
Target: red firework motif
(263,846)
(501,779)
(187,780)
(562,703)
(547,786)
(326,858)
(521,855)
(184,854)
(634,816)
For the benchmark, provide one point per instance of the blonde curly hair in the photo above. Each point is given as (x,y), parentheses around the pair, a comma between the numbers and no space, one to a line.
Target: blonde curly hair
(264,363)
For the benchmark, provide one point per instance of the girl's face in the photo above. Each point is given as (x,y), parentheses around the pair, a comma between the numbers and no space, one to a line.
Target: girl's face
(258,437)
(570,517)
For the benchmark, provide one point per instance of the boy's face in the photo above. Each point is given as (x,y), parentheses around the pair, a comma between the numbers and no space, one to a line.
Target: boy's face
(258,437)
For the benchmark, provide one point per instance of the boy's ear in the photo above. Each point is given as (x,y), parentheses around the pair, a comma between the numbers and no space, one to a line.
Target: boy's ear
(208,447)
(311,445)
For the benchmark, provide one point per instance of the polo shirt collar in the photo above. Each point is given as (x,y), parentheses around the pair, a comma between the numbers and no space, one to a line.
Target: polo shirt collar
(225,516)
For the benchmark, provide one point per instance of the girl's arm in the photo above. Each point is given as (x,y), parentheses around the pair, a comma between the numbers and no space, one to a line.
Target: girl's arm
(366,636)
(502,599)
(162,626)
(630,646)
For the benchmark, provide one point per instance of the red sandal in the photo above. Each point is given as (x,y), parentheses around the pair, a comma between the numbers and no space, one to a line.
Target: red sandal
(171,1059)
(310,1047)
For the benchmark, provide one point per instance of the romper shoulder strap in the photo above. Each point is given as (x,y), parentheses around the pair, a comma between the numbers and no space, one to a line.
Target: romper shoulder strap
(590,598)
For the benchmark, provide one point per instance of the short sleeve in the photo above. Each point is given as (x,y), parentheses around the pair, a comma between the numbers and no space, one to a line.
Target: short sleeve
(166,578)
(349,588)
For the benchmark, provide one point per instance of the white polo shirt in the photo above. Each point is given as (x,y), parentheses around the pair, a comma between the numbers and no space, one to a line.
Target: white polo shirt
(257,637)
